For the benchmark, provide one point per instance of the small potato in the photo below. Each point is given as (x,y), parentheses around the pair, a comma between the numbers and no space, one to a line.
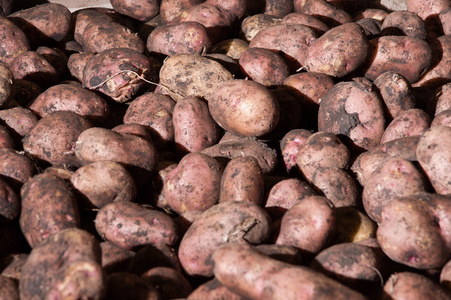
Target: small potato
(291,40)
(185,37)
(139,10)
(408,56)
(76,63)
(366,163)
(404,23)
(307,20)
(170,283)
(231,47)
(353,226)
(56,57)
(69,97)
(194,127)
(185,74)
(373,13)
(433,154)
(234,265)
(194,184)
(18,120)
(255,23)
(48,206)
(286,193)
(130,225)
(244,108)
(155,111)
(341,112)
(118,73)
(53,138)
(324,11)
(445,276)
(104,182)
(290,144)
(394,178)
(266,156)
(396,92)
(12,42)
(242,180)
(43,24)
(321,149)
(264,66)
(134,129)
(16,168)
(316,216)
(228,222)
(410,122)
(30,65)
(410,285)
(339,51)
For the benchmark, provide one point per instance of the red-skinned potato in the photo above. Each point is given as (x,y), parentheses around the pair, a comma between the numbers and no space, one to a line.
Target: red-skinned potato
(404,23)
(213,289)
(9,289)
(427,10)
(324,11)
(131,225)
(13,41)
(19,120)
(16,168)
(442,119)
(253,24)
(410,122)
(76,63)
(171,9)
(139,10)
(114,258)
(234,9)
(9,202)
(307,20)
(404,147)
(290,144)
(445,20)
(6,140)
(244,108)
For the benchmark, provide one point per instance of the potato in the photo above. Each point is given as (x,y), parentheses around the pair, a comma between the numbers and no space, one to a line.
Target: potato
(339,51)
(264,66)
(19,120)
(414,230)
(67,264)
(394,178)
(321,149)
(244,108)
(134,129)
(445,20)
(76,63)
(286,193)
(213,289)
(410,122)
(242,180)
(142,10)
(157,197)
(154,111)
(194,184)
(186,37)
(266,156)
(16,168)
(194,127)
(440,70)
(341,112)
(337,185)
(9,289)
(445,276)
(253,24)
(433,154)
(324,11)
(54,137)
(371,27)
(56,57)
(307,20)
(427,10)
(114,258)
(234,266)
(290,144)
(184,75)
(353,226)
(48,206)
(171,9)
(396,91)
(410,285)
(134,152)
(404,147)
(122,285)
(404,23)
(228,222)
(13,41)
(271,7)
(315,213)
(354,265)
(48,23)
(170,283)
(378,14)
(291,40)
(104,182)
(442,98)
(231,47)
(118,73)
(68,97)
(442,119)
(234,9)
(408,56)
(130,225)
(30,65)
(6,140)
(9,202)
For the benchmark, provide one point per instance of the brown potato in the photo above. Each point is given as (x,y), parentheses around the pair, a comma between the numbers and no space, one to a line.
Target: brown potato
(9,202)
(253,24)
(410,122)
(244,108)
(371,13)
(353,226)
(433,154)
(194,127)
(29,65)
(171,9)
(131,225)
(338,52)
(231,47)
(19,120)
(228,222)
(15,167)
(9,289)
(13,41)
(194,184)
(48,206)
(76,63)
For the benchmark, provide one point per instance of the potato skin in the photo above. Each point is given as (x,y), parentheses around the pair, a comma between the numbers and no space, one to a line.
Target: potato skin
(339,51)
(53,138)
(253,24)
(244,108)
(194,127)
(234,266)
(290,144)
(139,10)
(353,226)
(324,11)
(410,122)
(307,20)
(404,23)
(15,167)
(13,41)
(19,120)
(227,222)
(185,37)
(48,206)
(433,154)
(130,225)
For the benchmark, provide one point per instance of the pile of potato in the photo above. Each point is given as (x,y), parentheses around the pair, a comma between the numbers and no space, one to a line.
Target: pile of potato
(226,149)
